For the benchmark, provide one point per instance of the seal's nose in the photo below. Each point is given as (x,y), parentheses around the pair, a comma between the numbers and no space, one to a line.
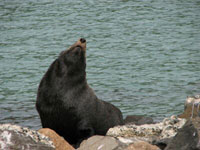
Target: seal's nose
(82,40)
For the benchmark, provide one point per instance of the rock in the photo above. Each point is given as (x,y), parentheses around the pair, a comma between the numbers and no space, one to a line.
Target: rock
(59,142)
(99,143)
(142,146)
(151,133)
(196,123)
(165,129)
(126,141)
(162,143)
(187,137)
(138,120)
(111,143)
(192,107)
(18,138)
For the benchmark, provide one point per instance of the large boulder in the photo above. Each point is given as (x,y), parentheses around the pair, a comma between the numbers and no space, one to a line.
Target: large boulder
(148,132)
(110,143)
(100,143)
(159,133)
(58,141)
(187,137)
(18,138)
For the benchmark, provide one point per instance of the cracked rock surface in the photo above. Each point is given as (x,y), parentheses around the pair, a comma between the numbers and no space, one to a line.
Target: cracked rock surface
(18,138)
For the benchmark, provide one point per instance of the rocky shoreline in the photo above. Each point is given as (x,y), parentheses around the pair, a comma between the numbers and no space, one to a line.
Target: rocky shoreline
(173,133)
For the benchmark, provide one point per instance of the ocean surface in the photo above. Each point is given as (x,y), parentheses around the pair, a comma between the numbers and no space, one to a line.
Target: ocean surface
(142,56)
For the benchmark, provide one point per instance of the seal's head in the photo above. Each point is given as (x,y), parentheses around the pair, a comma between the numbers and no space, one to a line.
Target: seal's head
(75,56)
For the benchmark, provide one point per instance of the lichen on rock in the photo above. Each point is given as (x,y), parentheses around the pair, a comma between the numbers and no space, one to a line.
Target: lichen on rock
(149,132)
(14,136)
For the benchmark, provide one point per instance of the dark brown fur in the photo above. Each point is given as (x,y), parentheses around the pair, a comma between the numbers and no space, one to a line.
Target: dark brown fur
(68,105)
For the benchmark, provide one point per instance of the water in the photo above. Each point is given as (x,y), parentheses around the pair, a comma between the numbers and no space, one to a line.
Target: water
(142,56)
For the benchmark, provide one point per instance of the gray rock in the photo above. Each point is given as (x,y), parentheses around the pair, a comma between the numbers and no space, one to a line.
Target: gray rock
(151,133)
(19,138)
(111,143)
(187,138)
(99,143)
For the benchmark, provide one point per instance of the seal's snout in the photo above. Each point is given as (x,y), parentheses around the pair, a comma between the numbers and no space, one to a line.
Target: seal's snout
(82,40)
(80,43)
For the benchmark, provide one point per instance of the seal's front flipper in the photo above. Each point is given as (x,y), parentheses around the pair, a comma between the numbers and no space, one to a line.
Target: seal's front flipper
(84,132)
